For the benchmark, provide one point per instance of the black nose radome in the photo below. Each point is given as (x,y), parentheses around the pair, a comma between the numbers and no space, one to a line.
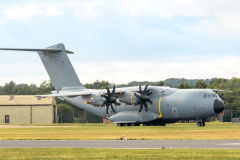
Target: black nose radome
(218,106)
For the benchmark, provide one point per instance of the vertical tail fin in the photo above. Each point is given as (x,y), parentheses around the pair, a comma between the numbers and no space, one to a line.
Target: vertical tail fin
(57,64)
(59,67)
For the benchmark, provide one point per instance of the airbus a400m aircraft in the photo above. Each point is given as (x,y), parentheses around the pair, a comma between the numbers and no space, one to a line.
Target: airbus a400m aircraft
(130,106)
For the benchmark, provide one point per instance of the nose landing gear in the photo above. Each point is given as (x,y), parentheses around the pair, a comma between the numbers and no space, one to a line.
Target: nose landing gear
(201,123)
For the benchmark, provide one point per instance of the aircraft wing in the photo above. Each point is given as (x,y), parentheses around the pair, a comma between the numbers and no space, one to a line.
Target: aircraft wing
(65,94)
(86,92)
(216,90)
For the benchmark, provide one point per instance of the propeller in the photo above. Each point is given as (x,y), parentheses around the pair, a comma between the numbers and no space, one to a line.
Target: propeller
(225,102)
(200,86)
(221,94)
(143,98)
(110,99)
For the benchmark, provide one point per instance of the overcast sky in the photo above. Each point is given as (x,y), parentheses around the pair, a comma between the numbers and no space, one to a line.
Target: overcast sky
(123,41)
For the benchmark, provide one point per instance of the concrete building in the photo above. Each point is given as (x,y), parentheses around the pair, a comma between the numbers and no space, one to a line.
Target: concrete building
(27,110)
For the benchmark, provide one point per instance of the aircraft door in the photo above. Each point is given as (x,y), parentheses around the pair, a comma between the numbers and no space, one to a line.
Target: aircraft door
(196,107)
(188,107)
(201,108)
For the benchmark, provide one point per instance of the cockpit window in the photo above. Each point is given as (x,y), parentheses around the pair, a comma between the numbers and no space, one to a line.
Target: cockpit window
(210,96)
(205,95)
(214,96)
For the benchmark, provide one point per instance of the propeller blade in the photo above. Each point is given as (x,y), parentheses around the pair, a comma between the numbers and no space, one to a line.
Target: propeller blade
(108,91)
(107,110)
(225,102)
(113,91)
(138,102)
(145,105)
(150,102)
(141,106)
(113,109)
(140,88)
(138,96)
(144,92)
(104,96)
(221,94)
(118,104)
(200,86)
(102,105)
(149,93)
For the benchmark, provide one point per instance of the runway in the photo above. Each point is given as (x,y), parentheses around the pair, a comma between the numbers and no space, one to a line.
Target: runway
(131,144)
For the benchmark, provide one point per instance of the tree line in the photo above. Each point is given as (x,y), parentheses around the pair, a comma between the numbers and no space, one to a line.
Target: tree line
(232,98)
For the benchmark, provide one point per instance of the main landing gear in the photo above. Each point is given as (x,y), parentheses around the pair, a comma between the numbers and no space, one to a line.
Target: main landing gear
(154,124)
(200,123)
(128,124)
(138,124)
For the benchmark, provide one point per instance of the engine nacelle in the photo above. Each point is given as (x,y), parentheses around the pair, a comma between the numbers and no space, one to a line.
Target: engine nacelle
(128,98)
(94,99)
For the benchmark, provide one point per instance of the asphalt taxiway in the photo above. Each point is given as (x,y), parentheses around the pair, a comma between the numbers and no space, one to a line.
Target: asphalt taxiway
(131,144)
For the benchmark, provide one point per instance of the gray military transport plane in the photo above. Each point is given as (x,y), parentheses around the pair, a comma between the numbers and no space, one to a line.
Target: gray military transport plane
(161,104)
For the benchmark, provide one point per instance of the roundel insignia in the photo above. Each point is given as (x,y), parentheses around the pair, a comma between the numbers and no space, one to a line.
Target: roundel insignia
(174,111)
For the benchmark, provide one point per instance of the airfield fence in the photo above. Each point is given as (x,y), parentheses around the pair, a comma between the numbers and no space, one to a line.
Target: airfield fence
(78,117)
(228,115)
(86,117)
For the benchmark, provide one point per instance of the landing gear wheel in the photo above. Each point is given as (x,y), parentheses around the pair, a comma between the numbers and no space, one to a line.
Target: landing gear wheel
(132,124)
(119,124)
(161,124)
(125,124)
(199,124)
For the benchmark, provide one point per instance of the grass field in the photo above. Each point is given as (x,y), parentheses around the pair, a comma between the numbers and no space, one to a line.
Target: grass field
(81,153)
(90,131)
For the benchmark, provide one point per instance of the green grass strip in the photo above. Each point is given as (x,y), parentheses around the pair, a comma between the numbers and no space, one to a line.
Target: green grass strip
(177,131)
(82,153)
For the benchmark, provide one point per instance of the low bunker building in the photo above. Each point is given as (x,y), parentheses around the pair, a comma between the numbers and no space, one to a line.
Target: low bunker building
(27,109)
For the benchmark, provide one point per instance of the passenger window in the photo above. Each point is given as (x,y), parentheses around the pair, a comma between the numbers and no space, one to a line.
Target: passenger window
(205,95)
(209,95)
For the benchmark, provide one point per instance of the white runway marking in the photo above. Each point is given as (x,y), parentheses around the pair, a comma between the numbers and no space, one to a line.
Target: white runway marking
(231,144)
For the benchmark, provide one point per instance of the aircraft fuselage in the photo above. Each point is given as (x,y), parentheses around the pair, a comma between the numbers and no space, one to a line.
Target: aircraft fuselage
(169,105)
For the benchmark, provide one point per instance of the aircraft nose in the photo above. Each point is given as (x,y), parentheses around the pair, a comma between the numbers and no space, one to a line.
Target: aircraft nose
(218,106)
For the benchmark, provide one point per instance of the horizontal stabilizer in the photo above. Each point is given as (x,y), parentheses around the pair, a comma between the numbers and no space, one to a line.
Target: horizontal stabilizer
(68,94)
(57,64)
(69,52)
(49,50)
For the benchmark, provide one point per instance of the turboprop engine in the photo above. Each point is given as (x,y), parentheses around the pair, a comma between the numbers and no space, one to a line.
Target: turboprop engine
(94,99)
(128,98)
